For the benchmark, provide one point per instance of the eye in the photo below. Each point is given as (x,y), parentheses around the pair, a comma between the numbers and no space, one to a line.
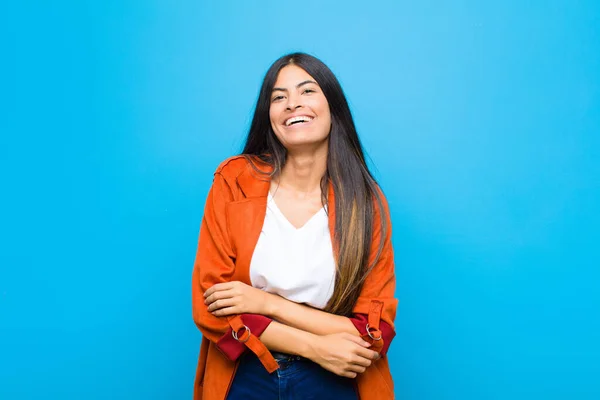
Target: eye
(276,98)
(309,91)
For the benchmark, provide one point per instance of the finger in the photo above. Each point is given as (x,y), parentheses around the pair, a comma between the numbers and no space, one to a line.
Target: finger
(359,369)
(217,287)
(361,361)
(349,374)
(358,340)
(217,305)
(223,294)
(366,353)
(223,312)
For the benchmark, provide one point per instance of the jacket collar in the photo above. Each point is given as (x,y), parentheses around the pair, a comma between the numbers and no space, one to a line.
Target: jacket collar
(255,183)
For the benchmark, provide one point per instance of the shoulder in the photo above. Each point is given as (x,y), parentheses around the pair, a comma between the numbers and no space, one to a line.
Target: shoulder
(242,176)
(383,198)
(232,167)
(235,166)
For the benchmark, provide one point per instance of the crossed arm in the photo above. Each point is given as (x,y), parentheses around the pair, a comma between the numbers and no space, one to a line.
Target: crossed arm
(231,298)
(328,339)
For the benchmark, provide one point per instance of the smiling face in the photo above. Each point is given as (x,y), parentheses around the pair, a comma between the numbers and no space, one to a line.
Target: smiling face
(299,111)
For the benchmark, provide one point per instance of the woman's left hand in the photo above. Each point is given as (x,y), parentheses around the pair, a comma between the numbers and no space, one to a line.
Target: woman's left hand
(235,297)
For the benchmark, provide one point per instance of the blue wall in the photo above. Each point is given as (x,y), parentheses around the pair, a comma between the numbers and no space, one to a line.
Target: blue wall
(481,118)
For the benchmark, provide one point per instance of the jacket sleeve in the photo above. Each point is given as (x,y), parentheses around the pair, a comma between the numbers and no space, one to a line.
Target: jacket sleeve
(375,310)
(215,263)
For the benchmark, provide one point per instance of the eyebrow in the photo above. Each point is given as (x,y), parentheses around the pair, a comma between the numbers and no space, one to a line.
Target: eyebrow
(306,82)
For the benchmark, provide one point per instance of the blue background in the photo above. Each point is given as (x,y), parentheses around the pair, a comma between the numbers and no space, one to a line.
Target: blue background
(482,122)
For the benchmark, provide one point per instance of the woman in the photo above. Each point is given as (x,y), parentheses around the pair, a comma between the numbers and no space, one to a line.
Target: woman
(293,281)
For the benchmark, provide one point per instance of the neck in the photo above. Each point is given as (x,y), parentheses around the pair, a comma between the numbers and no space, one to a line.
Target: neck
(303,170)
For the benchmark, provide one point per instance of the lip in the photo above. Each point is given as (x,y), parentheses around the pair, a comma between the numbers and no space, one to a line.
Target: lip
(299,115)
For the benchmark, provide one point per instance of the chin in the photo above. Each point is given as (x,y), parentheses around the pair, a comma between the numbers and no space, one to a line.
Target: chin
(298,143)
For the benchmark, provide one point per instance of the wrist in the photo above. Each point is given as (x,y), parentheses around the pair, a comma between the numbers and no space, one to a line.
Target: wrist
(272,302)
(310,348)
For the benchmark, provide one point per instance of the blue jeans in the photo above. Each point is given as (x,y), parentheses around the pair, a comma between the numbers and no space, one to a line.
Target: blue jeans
(296,379)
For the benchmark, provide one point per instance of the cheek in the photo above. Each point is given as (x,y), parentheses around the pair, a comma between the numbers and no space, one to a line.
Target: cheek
(272,118)
(324,112)
(326,116)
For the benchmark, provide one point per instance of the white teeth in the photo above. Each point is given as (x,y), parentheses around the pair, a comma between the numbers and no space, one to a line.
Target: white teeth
(302,118)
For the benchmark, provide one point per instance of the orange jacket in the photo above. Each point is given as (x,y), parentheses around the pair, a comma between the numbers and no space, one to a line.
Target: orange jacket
(233,218)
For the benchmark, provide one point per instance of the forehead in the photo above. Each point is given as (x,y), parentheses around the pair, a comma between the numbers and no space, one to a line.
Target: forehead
(291,75)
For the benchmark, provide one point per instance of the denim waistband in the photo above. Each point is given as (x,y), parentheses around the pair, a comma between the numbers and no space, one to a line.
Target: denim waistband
(278,356)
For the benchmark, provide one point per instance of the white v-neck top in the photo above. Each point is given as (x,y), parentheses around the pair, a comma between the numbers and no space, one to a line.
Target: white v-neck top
(295,263)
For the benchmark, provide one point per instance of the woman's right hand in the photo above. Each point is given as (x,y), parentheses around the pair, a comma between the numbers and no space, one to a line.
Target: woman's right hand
(343,354)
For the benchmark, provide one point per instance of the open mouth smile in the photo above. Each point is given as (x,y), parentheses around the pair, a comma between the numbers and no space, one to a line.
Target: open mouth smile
(299,120)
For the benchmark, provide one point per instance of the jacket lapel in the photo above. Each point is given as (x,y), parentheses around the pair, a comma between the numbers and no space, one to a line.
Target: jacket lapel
(246,217)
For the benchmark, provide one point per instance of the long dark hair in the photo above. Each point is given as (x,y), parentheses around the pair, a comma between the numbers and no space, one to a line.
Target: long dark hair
(357,195)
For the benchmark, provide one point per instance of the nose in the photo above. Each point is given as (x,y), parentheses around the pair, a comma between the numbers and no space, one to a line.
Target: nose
(293,102)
